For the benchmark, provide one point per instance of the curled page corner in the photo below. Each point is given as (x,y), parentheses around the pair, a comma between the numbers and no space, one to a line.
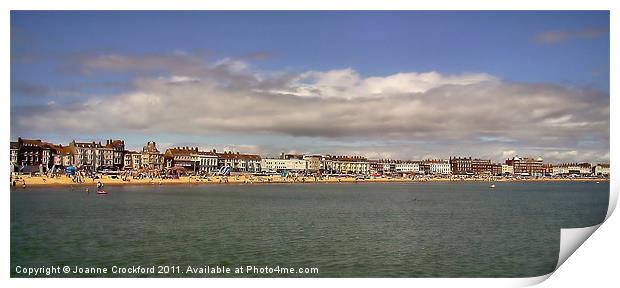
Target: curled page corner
(613,199)
(531,281)
(571,239)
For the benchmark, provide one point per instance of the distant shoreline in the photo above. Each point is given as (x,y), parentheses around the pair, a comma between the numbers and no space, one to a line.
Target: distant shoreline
(38,181)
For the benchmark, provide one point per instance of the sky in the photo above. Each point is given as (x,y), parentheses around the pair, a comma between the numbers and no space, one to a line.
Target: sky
(379,84)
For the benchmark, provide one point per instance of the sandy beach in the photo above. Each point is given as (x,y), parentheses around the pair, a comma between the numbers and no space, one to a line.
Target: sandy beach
(249,179)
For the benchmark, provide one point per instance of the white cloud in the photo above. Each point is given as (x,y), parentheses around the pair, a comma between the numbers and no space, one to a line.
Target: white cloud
(347,83)
(181,79)
(233,65)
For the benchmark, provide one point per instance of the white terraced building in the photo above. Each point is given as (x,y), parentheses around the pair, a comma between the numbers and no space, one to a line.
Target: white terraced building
(601,169)
(207,162)
(572,169)
(278,165)
(442,168)
(407,167)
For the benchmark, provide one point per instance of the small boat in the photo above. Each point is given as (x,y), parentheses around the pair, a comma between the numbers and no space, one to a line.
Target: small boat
(492,186)
(101,192)
(597,182)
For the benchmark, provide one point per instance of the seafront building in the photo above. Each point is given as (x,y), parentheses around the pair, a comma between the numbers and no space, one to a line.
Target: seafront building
(190,160)
(527,166)
(314,163)
(31,155)
(405,167)
(14,153)
(133,160)
(482,166)
(475,166)
(291,162)
(389,167)
(601,170)
(184,158)
(576,169)
(394,167)
(438,167)
(346,165)
(118,151)
(507,169)
(63,156)
(547,169)
(152,159)
(37,156)
(239,162)
(88,156)
(564,169)
(207,162)
(382,167)
(283,165)
(461,166)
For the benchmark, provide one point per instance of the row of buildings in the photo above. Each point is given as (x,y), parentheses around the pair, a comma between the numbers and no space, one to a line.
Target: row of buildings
(28,155)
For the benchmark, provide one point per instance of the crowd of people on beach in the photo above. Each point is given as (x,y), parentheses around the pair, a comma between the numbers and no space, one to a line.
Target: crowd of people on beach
(82,177)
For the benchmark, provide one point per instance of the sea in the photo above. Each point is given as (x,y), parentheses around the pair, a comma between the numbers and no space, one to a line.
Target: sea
(439,229)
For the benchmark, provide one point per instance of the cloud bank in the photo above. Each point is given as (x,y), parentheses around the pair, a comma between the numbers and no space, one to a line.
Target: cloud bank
(424,111)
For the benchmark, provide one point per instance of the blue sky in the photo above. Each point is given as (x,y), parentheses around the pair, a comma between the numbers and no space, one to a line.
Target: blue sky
(568,49)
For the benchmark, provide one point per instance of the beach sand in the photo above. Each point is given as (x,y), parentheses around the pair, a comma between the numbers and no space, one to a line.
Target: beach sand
(247,179)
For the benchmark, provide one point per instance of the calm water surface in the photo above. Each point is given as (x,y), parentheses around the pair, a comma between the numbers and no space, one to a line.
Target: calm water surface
(345,230)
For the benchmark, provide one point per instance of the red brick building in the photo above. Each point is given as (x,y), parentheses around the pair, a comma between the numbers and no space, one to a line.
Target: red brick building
(461,166)
(527,166)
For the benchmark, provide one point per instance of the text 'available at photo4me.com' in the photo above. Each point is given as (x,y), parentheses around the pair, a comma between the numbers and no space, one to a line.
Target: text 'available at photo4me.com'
(163,270)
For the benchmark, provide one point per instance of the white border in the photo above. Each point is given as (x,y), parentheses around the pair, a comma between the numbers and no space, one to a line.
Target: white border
(594,262)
